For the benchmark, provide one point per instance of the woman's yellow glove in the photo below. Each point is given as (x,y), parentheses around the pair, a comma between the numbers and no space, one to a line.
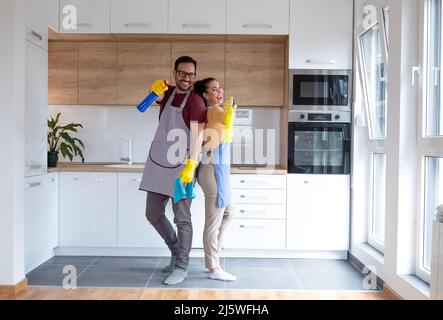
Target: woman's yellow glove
(229,114)
(187,173)
(159,87)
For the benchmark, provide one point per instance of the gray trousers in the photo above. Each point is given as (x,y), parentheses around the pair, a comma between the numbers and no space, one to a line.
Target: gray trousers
(179,243)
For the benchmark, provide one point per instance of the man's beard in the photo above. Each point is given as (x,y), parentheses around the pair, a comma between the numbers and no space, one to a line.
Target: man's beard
(184,86)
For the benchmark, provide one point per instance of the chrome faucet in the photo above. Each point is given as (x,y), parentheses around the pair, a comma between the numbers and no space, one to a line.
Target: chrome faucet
(129,158)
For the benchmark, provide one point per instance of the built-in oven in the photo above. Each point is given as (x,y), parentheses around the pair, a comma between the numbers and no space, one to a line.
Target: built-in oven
(319,142)
(320,89)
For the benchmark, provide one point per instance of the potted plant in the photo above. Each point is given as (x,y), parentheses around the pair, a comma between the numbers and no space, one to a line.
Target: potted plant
(59,140)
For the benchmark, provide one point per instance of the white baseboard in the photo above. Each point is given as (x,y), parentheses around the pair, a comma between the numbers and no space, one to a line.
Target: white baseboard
(228,253)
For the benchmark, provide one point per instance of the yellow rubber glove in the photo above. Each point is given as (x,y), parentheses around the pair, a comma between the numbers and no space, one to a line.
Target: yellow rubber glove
(229,113)
(187,173)
(159,87)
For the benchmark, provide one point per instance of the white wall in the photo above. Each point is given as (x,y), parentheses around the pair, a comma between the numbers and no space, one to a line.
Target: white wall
(12,105)
(105,128)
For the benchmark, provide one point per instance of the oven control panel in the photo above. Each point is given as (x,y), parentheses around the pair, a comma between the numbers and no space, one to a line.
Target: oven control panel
(320,116)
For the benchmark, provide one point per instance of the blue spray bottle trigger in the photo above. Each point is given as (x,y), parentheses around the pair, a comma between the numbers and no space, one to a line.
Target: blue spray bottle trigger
(146,103)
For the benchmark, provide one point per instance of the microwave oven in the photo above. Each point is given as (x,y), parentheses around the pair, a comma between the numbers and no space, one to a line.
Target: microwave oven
(320,89)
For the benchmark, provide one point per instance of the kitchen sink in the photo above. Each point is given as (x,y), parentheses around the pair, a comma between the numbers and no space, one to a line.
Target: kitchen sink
(132,166)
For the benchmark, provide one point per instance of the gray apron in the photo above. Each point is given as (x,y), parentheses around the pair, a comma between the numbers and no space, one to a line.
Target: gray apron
(159,174)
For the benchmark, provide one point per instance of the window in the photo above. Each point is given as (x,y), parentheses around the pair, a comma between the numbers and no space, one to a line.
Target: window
(433,59)
(374,80)
(373,61)
(430,136)
(376,237)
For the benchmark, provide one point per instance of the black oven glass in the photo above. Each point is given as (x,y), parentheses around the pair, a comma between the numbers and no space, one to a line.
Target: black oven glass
(319,148)
(323,90)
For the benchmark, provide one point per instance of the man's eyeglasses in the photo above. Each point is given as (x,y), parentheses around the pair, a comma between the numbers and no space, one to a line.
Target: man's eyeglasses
(183,74)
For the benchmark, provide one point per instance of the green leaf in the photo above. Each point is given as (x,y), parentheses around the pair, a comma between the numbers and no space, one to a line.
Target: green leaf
(80,142)
(65,151)
(81,155)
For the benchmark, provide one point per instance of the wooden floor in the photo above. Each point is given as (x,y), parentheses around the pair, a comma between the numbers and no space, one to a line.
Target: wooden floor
(43,293)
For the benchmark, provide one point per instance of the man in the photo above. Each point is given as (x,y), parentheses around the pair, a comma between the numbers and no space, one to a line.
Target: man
(180,109)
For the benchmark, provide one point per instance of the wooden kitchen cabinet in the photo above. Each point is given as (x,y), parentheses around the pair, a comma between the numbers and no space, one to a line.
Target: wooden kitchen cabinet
(210,57)
(139,64)
(255,73)
(97,73)
(63,73)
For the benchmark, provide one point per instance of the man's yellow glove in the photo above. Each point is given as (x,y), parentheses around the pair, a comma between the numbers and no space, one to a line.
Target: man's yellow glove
(187,173)
(229,114)
(159,87)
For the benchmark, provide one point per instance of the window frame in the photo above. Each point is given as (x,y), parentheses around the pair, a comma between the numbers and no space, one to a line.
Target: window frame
(372,241)
(376,142)
(427,146)
(375,145)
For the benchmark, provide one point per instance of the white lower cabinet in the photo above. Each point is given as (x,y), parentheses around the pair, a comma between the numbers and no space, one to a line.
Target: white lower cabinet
(40,219)
(318,212)
(198,217)
(256,234)
(134,230)
(260,213)
(88,209)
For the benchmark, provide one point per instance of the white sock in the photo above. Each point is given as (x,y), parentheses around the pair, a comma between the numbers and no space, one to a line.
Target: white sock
(222,275)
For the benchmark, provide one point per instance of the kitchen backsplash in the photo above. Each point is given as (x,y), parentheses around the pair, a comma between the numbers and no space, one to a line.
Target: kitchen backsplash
(105,129)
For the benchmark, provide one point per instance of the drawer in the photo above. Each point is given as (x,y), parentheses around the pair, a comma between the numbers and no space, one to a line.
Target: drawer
(258,181)
(255,196)
(262,211)
(255,234)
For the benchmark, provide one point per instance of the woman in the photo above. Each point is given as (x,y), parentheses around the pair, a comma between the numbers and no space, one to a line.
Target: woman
(214,172)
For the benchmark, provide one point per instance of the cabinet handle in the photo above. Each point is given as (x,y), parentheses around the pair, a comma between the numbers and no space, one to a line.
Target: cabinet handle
(137,25)
(256,211)
(88,179)
(258,25)
(305,182)
(260,183)
(196,25)
(33,184)
(136,179)
(259,226)
(36,34)
(319,61)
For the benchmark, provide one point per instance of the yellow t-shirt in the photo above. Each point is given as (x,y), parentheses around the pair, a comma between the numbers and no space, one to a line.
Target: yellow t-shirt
(214,127)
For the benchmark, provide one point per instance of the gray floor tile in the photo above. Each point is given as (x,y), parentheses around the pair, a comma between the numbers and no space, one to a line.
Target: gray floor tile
(147,262)
(131,276)
(197,279)
(254,263)
(196,263)
(72,260)
(51,275)
(328,274)
(263,278)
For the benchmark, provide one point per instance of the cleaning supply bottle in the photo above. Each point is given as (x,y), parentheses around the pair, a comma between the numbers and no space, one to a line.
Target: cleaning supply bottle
(152,96)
